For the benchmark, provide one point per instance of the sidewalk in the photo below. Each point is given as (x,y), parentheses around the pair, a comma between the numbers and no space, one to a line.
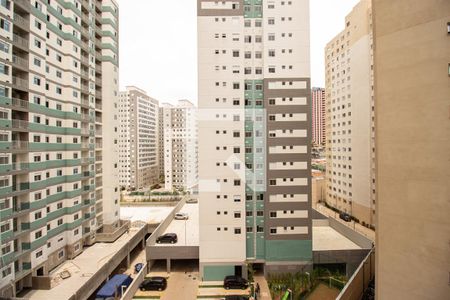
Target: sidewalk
(369,233)
(265,292)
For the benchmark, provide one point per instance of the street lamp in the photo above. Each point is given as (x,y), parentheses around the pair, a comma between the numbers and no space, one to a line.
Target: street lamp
(309,279)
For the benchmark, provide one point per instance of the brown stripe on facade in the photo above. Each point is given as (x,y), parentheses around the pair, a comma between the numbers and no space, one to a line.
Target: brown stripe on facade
(239,11)
(288,157)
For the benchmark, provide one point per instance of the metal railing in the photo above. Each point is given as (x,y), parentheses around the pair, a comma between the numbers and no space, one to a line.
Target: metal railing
(20,82)
(20,41)
(20,124)
(20,61)
(19,145)
(21,21)
(16,102)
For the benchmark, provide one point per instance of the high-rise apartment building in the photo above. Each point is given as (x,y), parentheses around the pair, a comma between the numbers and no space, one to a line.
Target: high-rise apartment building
(412,89)
(161,143)
(58,158)
(138,139)
(350,129)
(318,116)
(255,136)
(180,145)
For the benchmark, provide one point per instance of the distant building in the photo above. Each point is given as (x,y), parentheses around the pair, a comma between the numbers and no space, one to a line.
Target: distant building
(318,116)
(350,119)
(180,145)
(138,139)
(161,144)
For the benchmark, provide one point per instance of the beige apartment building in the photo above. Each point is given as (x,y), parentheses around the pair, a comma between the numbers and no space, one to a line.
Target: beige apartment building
(138,139)
(180,145)
(58,152)
(350,129)
(412,89)
(255,137)
(318,116)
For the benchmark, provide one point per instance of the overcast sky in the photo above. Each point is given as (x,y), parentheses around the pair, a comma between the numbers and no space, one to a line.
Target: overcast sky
(158,44)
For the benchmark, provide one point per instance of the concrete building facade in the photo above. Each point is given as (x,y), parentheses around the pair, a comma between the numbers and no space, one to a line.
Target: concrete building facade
(58,155)
(350,120)
(138,139)
(255,136)
(318,116)
(180,149)
(412,89)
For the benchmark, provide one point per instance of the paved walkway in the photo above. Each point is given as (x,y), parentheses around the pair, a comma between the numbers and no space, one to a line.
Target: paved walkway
(264,293)
(369,233)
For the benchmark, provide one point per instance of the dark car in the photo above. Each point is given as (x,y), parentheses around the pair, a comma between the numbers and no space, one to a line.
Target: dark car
(153,284)
(236,297)
(345,216)
(168,238)
(235,282)
(138,267)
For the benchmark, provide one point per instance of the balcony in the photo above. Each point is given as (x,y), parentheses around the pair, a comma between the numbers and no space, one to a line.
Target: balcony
(20,124)
(25,4)
(20,145)
(20,83)
(21,22)
(20,63)
(20,42)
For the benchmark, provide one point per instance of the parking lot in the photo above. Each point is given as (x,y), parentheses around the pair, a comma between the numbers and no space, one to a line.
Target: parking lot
(182,281)
(186,230)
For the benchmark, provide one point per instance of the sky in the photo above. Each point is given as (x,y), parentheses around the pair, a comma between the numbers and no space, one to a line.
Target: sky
(158,44)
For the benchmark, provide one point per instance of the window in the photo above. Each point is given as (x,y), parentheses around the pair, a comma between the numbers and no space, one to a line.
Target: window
(235,53)
(5,24)
(38,234)
(237,182)
(237,231)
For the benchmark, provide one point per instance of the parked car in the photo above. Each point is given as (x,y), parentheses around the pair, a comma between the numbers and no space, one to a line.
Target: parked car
(154,284)
(192,200)
(138,267)
(235,282)
(113,287)
(345,216)
(168,238)
(181,216)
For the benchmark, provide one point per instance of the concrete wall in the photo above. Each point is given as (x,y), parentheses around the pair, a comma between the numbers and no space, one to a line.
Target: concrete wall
(104,272)
(351,258)
(138,279)
(412,89)
(349,233)
(355,287)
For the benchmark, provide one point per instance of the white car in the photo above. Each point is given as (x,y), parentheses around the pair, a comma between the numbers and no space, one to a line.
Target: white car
(181,216)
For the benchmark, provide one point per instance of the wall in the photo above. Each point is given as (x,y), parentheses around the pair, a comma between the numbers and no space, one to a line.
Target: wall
(138,279)
(412,88)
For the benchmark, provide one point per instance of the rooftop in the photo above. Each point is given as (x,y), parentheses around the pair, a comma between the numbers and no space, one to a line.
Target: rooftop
(186,230)
(326,238)
(81,269)
(149,214)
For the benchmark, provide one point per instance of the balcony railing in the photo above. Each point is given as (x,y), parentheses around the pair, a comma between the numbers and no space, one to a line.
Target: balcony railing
(21,21)
(20,82)
(20,61)
(19,145)
(25,4)
(19,124)
(20,41)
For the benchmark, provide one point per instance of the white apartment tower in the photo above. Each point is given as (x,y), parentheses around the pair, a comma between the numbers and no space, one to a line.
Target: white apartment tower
(58,156)
(254,136)
(138,139)
(350,128)
(180,145)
